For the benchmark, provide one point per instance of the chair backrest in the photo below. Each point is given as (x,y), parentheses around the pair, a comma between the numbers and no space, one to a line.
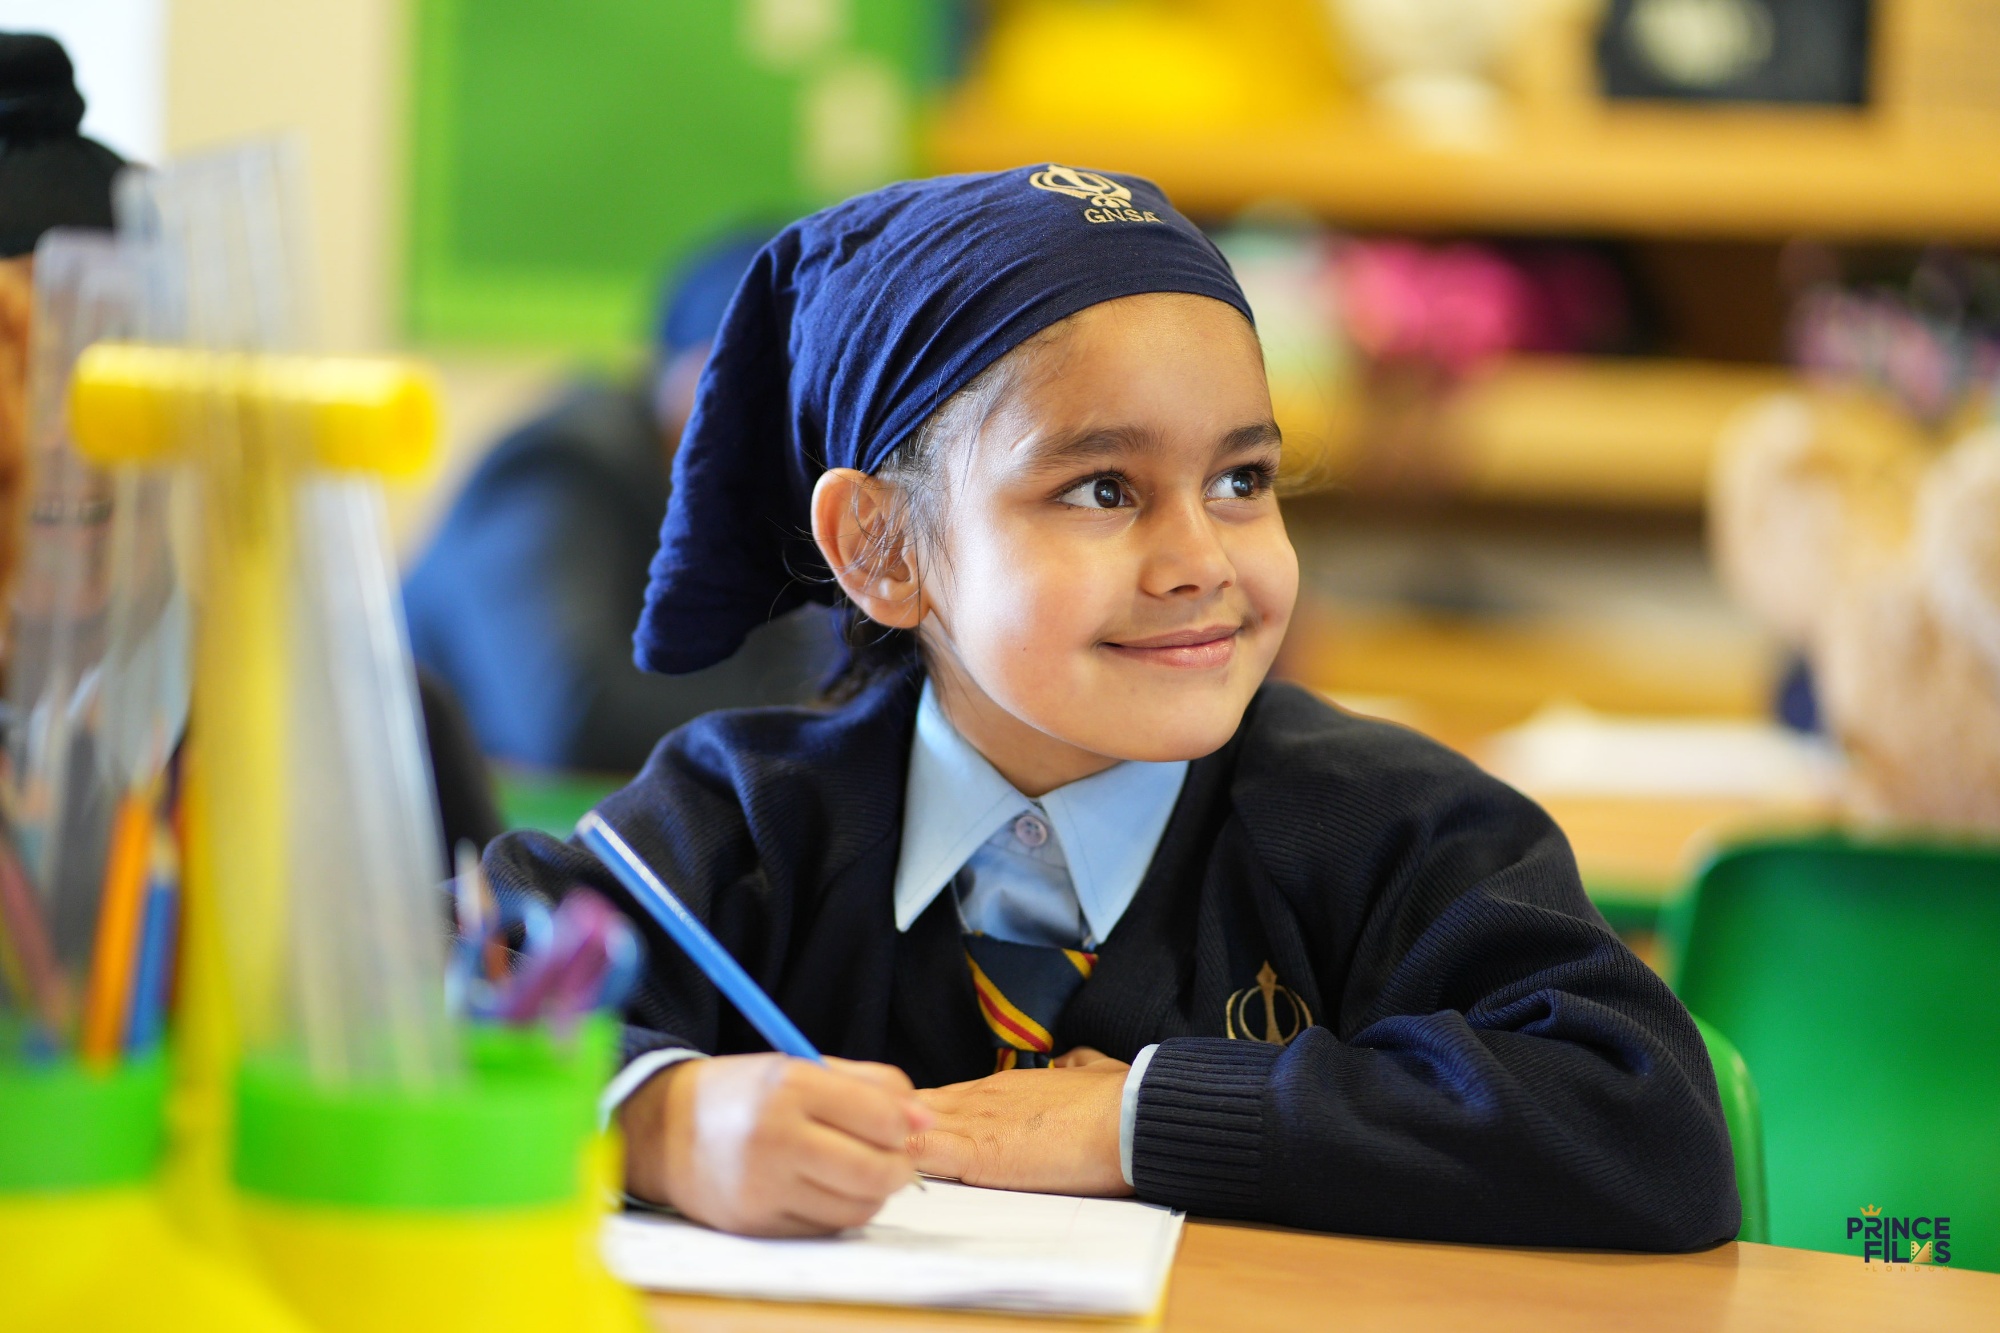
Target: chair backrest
(1746,1130)
(1861,981)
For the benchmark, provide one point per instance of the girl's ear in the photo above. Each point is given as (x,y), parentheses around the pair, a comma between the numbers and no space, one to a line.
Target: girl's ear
(864,539)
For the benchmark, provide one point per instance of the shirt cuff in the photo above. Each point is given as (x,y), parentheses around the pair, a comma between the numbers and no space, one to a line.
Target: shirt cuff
(642,1067)
(1128,1108)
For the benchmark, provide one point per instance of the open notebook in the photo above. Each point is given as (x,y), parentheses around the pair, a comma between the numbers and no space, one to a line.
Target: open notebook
(944,1245)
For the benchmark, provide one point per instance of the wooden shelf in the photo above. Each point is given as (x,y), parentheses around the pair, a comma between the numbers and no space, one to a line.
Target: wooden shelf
(1462,678)
(1596,431)
(1638,433)
(1635,171)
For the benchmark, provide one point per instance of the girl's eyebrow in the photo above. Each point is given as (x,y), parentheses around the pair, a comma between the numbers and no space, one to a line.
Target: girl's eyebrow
(1257,435)
(1087,446)
(1099,443)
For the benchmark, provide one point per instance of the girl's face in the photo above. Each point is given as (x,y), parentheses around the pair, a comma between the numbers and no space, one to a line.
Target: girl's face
(1115,577)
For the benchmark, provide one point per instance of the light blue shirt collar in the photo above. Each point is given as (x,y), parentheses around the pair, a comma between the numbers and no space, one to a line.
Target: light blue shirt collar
(1109,824)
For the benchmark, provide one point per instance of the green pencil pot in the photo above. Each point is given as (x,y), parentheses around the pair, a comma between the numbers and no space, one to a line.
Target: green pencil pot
(475,1206)
(64,1127)
(84,1243)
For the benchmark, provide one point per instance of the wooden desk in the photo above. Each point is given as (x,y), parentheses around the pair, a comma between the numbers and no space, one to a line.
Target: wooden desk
(1243,1279)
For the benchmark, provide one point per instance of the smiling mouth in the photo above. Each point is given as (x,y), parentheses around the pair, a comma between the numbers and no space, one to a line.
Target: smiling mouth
(1207,646)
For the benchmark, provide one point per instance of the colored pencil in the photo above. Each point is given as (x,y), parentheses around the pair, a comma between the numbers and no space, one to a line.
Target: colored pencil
(693,937)
(707,952)
(108,996)
(29,946)
(156,944)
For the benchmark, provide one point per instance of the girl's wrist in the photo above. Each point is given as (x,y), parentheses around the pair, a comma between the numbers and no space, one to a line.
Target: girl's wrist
(646,1119)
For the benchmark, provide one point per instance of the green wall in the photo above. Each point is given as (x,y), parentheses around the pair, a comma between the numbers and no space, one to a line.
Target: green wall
(567,152)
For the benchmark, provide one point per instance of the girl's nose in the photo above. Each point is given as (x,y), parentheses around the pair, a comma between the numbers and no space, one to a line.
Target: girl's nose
(1184,555)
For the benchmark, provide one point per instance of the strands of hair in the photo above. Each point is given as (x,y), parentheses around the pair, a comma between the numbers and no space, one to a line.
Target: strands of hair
(916,525)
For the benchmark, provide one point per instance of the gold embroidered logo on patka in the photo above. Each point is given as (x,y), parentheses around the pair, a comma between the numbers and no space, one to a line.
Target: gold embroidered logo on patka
(1108,200)
(1274,1008)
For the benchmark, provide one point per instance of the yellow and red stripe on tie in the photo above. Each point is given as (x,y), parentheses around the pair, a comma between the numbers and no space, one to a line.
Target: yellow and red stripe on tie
(1008,1023)
(1083,962)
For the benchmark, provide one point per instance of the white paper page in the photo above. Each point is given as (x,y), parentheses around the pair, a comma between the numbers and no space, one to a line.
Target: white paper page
(945,1245)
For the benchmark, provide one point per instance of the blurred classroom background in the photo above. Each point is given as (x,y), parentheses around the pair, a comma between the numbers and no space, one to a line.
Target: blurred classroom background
(1519,265)
(1636,360)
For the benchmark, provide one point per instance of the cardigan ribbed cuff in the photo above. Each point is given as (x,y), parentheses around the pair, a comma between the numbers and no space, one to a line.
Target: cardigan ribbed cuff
(1198,1142)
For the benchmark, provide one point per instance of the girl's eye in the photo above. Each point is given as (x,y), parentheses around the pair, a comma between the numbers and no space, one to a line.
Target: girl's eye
(1098,493)
(1239,483)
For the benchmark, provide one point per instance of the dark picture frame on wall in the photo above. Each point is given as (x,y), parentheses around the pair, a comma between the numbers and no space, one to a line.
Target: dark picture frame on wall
(1812,52)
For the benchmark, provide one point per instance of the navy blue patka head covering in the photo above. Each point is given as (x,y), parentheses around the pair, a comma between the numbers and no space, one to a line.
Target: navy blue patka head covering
(852,327)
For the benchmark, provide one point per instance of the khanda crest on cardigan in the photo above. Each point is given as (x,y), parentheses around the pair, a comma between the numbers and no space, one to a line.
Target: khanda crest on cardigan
(1109,200)
(1265,1011)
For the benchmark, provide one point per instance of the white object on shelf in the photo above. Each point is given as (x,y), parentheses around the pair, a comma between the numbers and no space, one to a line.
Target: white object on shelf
(1565,750)
(1433,61)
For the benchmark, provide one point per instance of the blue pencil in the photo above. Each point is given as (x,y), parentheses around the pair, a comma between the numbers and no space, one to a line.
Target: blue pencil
(156,950)
(693,937)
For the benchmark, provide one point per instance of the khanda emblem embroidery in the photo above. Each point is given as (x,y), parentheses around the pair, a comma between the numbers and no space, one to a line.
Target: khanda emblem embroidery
(1266,1012)
(1109,201)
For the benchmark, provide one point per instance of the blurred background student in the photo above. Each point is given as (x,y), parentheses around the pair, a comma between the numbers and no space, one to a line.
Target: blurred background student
(52,176)
(526,600)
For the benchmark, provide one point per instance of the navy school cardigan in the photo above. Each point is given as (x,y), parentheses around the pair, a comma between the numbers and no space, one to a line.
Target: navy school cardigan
(1383,1002)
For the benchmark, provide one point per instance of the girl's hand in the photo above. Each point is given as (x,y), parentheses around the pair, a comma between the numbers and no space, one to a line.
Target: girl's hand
(1050,1130)
(766,1145)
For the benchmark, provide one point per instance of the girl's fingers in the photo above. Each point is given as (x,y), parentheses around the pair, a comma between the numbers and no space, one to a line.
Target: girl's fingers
(886,1077)
(892,1080)
(815,1209)
(856,1106)
(843,1165)
(941,1152)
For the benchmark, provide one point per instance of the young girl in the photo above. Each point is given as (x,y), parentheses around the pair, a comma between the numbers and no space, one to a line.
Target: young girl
(1133,919)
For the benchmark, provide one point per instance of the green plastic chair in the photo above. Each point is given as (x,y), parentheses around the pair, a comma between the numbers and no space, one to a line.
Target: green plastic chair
(1746,1131)
(1861,980)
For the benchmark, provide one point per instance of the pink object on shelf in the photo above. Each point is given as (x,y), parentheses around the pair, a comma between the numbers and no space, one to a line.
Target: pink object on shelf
(1461,304)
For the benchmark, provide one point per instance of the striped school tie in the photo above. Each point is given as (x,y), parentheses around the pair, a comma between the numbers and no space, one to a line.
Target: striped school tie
(1022,990)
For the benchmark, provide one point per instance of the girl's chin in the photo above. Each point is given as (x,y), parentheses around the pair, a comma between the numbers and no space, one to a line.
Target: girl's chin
(1174,730)
(1174,749)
